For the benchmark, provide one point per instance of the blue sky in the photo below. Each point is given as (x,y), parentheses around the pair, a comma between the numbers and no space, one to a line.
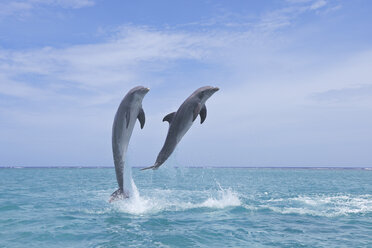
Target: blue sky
(295,79)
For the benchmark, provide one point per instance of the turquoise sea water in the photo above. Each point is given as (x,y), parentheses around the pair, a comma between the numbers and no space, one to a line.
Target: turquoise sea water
(186,207)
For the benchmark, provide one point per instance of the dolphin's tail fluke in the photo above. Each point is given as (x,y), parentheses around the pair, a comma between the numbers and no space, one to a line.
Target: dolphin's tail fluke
(117,195)
(154,167)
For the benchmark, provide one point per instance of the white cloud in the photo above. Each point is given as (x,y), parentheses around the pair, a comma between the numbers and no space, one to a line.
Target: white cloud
(15,8)
(318,4)
(16,89)
(62,3)
(285,16)
(347,96)
(118,62)
(22,8)
(76,4)
(95,74)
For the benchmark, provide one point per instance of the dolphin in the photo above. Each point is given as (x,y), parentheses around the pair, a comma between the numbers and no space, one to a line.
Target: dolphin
(130,109)
(181,121)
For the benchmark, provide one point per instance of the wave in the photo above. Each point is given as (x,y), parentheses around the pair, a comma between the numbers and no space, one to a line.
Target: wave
(320,205)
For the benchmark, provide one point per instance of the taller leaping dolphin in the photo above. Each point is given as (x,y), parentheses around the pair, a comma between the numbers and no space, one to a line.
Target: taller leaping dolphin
(181,121)
(129,110)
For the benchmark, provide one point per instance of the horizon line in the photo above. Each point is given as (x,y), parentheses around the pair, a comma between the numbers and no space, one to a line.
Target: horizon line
(196,167)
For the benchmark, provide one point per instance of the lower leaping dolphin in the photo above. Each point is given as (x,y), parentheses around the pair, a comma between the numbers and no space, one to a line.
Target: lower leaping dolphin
(181,121)
(129,110)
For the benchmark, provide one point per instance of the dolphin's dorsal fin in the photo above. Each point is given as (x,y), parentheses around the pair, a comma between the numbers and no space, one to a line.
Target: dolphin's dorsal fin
(169,117)
(196,111)
(203,114)
(127,118)
(141,117)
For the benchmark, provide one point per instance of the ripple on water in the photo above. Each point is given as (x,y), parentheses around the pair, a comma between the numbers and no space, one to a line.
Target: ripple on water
(250,208)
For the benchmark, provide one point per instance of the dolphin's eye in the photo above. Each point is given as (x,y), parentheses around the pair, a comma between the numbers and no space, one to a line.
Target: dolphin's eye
(202,94)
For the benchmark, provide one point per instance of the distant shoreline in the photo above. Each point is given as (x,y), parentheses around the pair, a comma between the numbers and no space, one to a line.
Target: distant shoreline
(193,167)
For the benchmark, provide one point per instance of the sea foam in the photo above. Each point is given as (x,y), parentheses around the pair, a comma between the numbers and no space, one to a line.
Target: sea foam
(322,205)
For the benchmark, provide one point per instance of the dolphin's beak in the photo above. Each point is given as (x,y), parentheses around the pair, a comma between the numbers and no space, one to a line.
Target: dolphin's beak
(147,90)
(216,89)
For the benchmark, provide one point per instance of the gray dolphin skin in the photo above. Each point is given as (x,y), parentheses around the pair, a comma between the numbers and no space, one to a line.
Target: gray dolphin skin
(181,121)
(130,109)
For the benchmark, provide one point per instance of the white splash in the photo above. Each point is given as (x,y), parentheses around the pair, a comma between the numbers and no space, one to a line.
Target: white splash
(225,198)
(175,200)
(133,205)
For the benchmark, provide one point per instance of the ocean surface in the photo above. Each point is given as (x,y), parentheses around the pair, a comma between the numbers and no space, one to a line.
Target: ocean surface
(186,207)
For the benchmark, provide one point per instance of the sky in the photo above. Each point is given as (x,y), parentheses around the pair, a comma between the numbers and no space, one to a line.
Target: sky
(295,79)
